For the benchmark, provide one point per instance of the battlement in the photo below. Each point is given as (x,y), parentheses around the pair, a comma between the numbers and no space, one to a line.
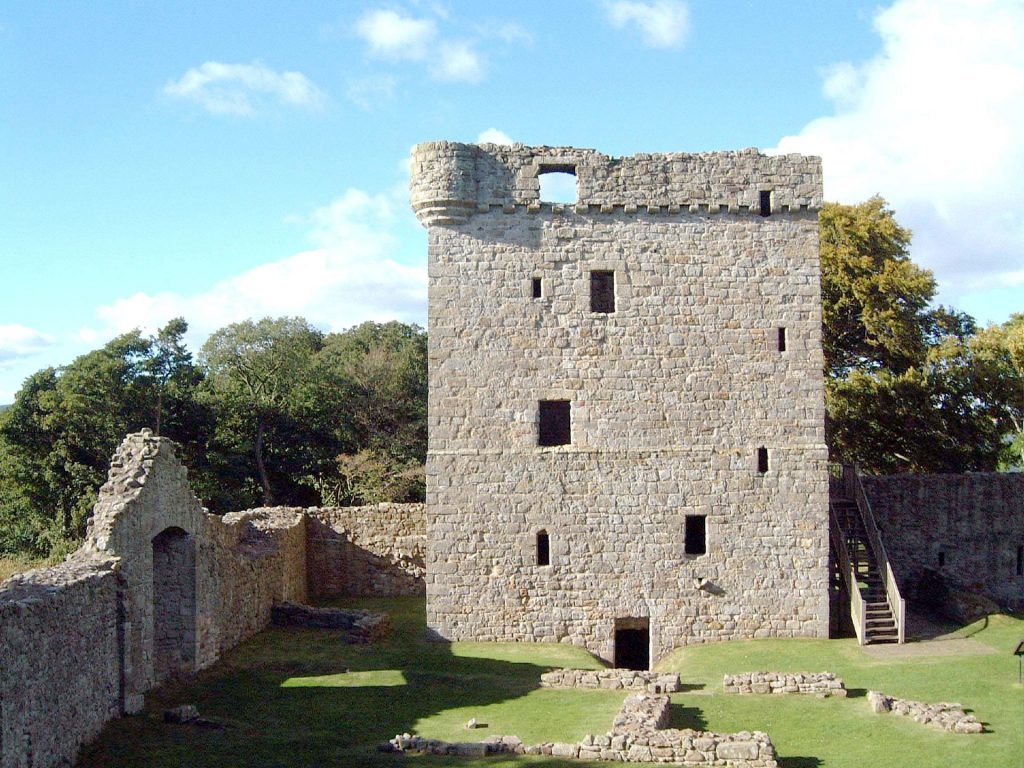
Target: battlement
(452,181)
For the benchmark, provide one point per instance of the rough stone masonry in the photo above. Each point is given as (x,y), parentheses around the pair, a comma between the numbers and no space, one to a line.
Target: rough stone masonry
(626,429)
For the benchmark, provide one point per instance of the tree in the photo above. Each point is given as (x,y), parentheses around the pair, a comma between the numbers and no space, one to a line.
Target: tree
(374,376)
(57,438)
(999,351)
(255,373)
(907,386)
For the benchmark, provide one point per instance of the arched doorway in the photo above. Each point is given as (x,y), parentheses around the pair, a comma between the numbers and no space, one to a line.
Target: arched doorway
(174,604)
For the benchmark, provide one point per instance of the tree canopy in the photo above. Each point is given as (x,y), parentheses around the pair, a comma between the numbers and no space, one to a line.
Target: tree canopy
(909,387)
(274,412)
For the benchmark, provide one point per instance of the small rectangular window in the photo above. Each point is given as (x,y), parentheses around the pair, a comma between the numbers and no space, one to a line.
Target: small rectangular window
(602,291)
(942,559)
(554,426)
(536,288)
(696,541)
(765,202)
(1020,560)
(782,339)
(762,460)
(543,548)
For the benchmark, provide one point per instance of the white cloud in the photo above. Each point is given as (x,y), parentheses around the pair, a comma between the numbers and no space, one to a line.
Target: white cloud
(397,36)
(494,136)
(662,23)
(934,124)
(19,341)
(392,35)
(240,89)
(458,61)
(351,276)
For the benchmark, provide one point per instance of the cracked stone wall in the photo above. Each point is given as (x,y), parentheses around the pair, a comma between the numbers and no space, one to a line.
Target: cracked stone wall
(671,396)
(969,528)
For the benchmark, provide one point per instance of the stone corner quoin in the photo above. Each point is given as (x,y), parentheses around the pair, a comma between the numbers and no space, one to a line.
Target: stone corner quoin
(626,430)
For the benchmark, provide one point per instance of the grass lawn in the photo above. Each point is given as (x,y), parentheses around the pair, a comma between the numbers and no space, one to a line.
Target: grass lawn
(287,700)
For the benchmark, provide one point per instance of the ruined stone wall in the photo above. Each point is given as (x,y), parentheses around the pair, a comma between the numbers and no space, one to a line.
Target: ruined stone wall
(373,550)
(968,528)
(59,661)
(160,588)
(671,396)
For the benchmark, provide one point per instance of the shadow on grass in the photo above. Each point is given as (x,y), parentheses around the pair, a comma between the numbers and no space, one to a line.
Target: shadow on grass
(686,717)
(799,762)
(856,693)
(287,699)
(691,687)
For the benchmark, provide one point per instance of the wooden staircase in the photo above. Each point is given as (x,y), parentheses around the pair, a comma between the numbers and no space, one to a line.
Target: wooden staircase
(876,605)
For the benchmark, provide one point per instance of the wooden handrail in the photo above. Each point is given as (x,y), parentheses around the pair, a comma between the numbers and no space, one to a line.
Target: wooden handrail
(857,610)
(892,591)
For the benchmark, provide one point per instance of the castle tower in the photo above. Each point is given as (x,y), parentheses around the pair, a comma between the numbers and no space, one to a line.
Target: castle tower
(626,440)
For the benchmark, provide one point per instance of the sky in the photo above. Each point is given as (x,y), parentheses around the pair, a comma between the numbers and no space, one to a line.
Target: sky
(221,161)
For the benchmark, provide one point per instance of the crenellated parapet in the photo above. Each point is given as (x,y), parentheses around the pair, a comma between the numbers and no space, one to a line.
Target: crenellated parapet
(451,181)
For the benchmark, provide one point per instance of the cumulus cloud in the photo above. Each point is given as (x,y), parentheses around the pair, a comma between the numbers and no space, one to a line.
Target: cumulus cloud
(18,342)
(458,61)
(350,276)
(494,136)
(397,36)
(661,23)
(241,89)
(390,34)
(934,124)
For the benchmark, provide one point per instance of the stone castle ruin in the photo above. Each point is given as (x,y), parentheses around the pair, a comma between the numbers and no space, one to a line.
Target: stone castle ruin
(626,452)
(161,588)
(626,430)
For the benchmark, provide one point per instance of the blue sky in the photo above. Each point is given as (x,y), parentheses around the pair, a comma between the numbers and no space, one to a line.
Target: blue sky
(231,160)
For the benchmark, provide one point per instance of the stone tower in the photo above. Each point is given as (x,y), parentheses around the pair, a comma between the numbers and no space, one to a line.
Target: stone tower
(626,441)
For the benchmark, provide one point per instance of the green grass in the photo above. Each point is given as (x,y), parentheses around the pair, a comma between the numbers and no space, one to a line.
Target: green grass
(844,733)
(287,700)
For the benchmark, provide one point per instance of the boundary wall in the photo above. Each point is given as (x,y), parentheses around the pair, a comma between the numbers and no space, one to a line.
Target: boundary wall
(161,588)
(968,529)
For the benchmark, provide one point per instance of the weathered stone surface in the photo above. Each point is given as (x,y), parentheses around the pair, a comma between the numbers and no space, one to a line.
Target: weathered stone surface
(372,550)
(976,522)
(822,684)
(654,682)
(671,395)
(948,716)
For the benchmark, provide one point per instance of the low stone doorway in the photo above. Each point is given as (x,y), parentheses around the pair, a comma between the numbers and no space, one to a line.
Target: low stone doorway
(633,643)
(174,604)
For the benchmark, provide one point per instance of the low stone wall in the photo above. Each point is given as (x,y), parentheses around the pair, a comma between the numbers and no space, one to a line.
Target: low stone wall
(637,736)
(816,683)
(612,679)
(947,716)
(374,550)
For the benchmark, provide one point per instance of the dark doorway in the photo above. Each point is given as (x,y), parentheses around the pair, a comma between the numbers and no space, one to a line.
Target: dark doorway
(633,643)
(174,604)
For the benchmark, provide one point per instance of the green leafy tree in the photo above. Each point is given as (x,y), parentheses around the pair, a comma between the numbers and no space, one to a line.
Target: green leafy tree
(907,386)
(256,378)
(57,438)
